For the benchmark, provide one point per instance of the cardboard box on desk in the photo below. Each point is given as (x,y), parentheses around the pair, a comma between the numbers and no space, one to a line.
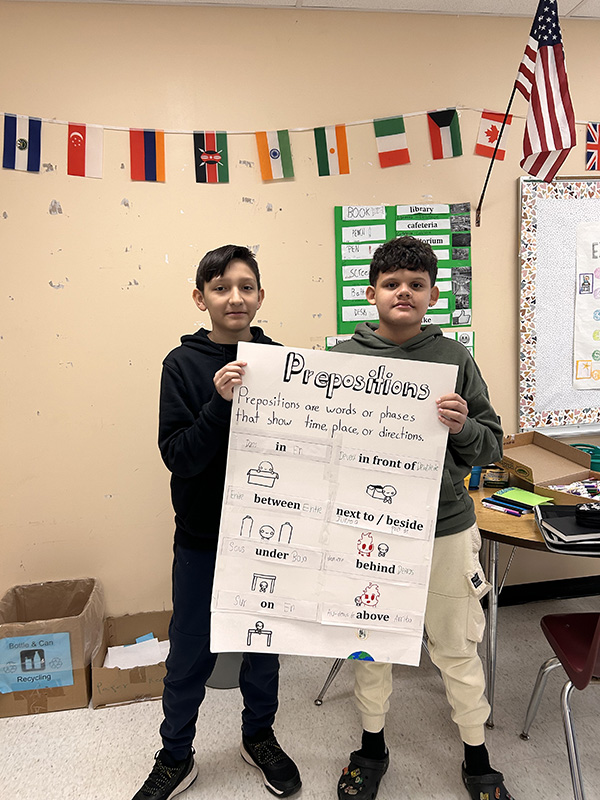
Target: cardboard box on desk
(48,633)
(111,686)
(537,461)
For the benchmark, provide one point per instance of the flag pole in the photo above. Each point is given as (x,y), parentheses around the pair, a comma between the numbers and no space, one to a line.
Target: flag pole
(478,210)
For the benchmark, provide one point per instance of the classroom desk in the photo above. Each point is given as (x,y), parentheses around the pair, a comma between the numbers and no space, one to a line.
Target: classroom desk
(496,527)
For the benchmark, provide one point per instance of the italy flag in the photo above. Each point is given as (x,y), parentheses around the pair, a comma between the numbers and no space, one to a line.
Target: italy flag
(391,141)
(274,154)
(332,150)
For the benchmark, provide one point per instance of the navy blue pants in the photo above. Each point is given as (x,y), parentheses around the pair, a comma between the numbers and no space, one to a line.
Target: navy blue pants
(190,662)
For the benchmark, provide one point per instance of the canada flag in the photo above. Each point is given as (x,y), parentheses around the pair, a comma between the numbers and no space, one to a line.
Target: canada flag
(489,131)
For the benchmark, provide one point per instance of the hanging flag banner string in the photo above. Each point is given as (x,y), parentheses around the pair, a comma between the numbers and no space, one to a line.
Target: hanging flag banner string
(175,132)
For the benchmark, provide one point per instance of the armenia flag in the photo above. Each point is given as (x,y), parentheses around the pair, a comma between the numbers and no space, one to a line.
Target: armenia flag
(332,150)
(147,149)
(22,143)
(210,157)
(489,131)
(85,150)
(592,147)
(444,132)
(274,154)
(391,141)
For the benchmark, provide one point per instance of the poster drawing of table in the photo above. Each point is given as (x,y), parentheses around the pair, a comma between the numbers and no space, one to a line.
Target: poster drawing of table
(330,502)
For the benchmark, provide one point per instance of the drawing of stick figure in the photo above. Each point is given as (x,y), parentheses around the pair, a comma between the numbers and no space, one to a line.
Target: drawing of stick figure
(259,630)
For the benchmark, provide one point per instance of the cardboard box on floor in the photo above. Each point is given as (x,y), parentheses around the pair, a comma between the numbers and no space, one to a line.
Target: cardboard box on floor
(48,633)
(111,685)
(537,461)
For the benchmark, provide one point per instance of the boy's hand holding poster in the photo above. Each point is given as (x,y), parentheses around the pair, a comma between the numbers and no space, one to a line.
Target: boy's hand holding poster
(330,504)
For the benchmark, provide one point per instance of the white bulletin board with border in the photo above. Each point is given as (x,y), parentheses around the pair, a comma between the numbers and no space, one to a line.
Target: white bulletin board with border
(550,215)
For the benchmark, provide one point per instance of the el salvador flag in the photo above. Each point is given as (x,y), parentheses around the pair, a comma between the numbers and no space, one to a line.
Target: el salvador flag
(22,143)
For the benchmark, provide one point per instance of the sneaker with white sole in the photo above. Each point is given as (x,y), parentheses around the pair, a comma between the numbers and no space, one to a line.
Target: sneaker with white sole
(165,782)
(280,774)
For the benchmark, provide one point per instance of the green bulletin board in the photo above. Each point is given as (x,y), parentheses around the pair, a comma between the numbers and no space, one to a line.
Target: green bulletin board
(359,230)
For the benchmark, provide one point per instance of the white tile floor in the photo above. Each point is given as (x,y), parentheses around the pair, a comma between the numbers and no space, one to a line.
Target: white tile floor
(106,754)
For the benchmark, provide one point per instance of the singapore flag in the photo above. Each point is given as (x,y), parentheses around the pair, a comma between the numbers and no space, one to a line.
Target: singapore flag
(85,150)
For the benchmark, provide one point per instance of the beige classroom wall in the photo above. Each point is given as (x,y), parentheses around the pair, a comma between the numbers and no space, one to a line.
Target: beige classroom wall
(94,297)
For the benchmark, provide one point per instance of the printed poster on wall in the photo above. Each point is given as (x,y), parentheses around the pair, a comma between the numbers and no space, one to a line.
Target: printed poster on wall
(359,230)
(330,504)
(586,338)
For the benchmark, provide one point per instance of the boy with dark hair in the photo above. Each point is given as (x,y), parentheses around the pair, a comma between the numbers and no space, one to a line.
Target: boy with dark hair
(402,277)
(195,409)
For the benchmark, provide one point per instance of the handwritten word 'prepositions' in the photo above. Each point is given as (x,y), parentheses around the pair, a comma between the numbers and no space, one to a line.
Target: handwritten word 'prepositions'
(378,381)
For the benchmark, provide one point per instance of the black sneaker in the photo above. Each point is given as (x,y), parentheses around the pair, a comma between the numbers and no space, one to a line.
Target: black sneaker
(165,782)
(280,774)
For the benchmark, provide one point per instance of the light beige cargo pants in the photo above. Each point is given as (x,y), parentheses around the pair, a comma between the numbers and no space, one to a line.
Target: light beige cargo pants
(454,622)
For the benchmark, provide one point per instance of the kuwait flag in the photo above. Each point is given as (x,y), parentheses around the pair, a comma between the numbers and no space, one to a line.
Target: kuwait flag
(391,141)
(274,154)
(210,157)
(147,150)
(489,130)
(22,143)
(85,150)
(332,150)
(444,131)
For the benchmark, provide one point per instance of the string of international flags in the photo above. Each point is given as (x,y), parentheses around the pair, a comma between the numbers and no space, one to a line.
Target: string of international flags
(85,145)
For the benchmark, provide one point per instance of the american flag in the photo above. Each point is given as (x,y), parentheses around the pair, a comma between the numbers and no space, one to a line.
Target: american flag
(542,80)
(592,147)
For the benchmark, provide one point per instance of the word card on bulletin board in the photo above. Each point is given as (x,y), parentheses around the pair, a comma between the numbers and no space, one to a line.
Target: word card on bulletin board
(359,230)
(559,366)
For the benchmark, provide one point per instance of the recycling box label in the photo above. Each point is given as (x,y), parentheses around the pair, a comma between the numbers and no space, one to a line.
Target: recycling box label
(35,662)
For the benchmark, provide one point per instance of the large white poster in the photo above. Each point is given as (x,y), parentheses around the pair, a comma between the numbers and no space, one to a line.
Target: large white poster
(331,493)
(586,338)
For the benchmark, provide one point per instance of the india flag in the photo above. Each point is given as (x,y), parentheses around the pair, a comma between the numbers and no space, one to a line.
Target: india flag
(85,150)
(391,141)
(22,143)
(332,150)
(444,131)
(274,154)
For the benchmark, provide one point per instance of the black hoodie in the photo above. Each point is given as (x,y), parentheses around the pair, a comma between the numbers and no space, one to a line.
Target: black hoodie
(193,432)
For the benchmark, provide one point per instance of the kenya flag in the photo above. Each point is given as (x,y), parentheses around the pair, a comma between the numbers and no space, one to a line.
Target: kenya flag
(210,157)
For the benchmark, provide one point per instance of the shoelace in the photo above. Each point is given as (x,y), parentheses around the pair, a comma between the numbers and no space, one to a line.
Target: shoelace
(267,752)
(159,777)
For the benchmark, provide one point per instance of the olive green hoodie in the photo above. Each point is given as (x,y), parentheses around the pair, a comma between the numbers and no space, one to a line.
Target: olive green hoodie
(479,442)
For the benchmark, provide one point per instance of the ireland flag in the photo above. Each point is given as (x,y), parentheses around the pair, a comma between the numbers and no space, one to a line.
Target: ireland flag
(332,150)
(391,141)
(444,131)
(274,154)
